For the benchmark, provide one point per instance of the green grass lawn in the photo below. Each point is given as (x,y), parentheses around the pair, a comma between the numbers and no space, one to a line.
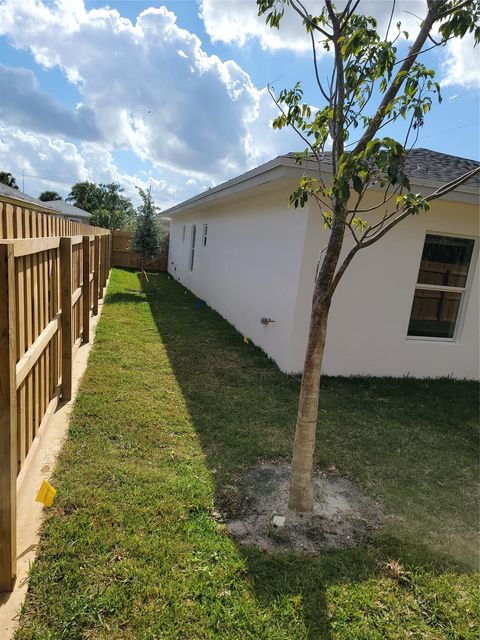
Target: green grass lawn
(173,404)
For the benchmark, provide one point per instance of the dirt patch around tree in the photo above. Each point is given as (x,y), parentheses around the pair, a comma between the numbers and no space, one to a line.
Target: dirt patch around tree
(257,513)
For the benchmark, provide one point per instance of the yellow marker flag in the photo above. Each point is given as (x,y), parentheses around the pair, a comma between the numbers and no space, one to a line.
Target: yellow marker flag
(46,494)
(245,339)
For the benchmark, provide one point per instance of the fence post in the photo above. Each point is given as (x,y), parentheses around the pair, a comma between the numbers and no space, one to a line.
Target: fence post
(104,263)
(96,279)
(8,421)
(109,266)
(86,288)
(67,328)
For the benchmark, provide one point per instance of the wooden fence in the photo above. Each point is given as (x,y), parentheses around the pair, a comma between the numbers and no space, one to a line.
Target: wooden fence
(123,256)
(50,284)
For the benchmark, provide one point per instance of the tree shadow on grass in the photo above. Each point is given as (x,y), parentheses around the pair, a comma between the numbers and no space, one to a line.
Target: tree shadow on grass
(243,409)
(127,297)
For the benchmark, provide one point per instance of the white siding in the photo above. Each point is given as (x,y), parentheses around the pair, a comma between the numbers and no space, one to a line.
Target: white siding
(249,268)
(371,308)
(260,261)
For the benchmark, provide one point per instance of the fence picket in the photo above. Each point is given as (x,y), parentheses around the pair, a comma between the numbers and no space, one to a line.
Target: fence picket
(39,273)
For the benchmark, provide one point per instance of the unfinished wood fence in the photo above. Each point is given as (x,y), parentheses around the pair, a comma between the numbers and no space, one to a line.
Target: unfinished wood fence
(52,274)
(123,256)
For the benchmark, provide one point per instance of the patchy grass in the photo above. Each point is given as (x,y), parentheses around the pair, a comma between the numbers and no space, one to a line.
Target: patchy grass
(172,405)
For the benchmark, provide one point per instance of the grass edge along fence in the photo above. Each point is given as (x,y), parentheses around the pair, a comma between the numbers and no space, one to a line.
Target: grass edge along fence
(52,273)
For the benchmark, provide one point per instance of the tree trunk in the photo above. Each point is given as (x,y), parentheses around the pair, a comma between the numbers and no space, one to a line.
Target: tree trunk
(301,478)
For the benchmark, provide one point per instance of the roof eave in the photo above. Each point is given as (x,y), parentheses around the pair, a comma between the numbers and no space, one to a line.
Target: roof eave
(272,170)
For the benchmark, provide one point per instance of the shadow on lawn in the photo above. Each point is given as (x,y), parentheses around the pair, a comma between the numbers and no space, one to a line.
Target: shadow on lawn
(243,409)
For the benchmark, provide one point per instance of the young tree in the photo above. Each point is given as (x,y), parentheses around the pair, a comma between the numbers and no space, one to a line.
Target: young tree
(148,236)
(8,179)
(49,196)
(370,86)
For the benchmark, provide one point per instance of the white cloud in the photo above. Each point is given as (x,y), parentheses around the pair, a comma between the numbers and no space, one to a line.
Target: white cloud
(43,156)
(152,87)
(52,163)
(462,63)
(237,21)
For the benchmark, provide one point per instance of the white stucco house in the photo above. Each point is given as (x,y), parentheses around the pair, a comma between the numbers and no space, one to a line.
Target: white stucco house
(407,305)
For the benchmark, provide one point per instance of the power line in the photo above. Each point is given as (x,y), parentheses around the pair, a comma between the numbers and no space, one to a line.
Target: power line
(439,133)
(27,175)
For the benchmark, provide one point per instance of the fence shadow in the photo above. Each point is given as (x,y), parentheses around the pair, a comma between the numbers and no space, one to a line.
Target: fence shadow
(243,409)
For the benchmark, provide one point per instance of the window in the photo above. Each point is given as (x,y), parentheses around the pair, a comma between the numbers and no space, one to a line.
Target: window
(440,288)
(192,246)
(205,232)
(183,233)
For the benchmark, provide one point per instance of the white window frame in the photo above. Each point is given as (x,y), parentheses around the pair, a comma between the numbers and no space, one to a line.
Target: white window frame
(193,237)
(184,228)
(204,235)
(464,291)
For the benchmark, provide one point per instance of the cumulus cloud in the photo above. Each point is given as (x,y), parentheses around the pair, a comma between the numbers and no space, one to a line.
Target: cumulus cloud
(237,22)
(52,163)
(462,63)
(40,155)
(152,87)
(24,104)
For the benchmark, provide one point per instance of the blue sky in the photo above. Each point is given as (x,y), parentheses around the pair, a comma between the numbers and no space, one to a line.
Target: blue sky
(172,94)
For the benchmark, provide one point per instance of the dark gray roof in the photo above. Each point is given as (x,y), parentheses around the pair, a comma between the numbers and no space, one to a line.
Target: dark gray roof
(62,207)
(67,209)
(19,195)
(423,165)
(432,165)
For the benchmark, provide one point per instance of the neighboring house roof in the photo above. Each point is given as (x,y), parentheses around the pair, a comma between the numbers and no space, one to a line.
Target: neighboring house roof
(67,209)
(10,192)
(55,206)
(428,168)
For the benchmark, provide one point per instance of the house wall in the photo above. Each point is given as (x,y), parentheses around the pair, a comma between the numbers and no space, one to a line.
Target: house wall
(367,331)
(260,260)
(250,267)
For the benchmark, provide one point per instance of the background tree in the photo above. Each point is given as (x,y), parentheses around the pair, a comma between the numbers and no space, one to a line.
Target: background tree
(85,195)
(148,235)
(48,196)
(108,219)
(8,179)
(107,204)
(369,86)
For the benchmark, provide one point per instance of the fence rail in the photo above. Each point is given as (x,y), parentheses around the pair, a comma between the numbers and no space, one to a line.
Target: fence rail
(49,288)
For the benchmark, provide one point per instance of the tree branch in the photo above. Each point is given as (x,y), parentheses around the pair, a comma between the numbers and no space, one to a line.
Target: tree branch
(303,13)
(397,82)
(441,191)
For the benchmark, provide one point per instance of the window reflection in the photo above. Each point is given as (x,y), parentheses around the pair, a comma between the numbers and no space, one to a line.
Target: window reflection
(441,283)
